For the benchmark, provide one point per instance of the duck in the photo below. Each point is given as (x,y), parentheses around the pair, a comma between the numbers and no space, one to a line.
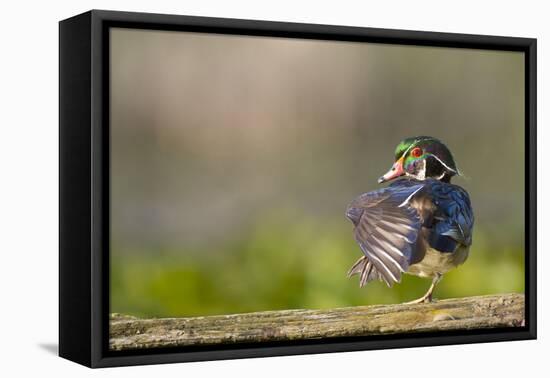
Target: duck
(420,224)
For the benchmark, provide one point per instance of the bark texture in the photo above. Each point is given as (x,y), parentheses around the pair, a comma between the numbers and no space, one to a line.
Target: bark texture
(504,310)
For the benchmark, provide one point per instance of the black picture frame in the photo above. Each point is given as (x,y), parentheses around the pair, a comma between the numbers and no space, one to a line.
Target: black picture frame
(84,186)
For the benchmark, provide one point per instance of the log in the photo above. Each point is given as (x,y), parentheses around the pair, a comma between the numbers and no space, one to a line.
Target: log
(491,311)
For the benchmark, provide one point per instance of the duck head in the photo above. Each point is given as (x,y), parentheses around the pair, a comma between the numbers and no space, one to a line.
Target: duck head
(421,158)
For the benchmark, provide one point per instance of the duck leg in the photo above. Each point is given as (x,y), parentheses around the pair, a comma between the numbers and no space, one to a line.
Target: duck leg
(427,298)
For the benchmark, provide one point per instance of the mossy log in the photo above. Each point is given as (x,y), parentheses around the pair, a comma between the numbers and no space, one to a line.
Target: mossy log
(491,311)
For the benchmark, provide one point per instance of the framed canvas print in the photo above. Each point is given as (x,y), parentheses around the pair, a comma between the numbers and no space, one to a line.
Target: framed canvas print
(234,188)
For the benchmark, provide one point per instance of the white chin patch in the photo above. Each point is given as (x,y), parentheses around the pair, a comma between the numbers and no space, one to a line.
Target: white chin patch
(421,174)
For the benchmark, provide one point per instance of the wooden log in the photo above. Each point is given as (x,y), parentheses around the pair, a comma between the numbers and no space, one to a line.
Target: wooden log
(504,310)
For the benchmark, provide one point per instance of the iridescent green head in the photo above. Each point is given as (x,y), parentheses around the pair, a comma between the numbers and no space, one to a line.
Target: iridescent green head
(420,158)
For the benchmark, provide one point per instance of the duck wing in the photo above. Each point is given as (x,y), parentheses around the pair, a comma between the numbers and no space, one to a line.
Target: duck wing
(386,229)
(455,218)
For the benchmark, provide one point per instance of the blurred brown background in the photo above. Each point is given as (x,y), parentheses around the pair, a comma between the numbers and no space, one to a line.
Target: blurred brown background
(234,158)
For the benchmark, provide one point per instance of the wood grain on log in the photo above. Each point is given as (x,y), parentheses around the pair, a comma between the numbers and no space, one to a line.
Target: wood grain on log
(491,311)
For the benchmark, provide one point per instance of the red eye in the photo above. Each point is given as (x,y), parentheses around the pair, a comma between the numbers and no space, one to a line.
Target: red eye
(416,152)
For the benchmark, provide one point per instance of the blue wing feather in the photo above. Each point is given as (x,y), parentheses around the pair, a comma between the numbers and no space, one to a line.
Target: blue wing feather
(454,217)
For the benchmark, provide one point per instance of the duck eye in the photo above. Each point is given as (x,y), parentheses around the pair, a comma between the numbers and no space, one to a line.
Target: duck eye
(416,152)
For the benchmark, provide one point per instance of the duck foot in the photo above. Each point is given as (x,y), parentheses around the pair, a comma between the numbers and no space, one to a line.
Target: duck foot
(427,298)
(422,299)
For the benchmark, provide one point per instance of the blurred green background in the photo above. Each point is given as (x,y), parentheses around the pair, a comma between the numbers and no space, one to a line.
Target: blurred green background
(234,159)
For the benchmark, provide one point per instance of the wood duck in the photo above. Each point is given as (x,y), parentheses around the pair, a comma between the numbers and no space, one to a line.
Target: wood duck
(420,224)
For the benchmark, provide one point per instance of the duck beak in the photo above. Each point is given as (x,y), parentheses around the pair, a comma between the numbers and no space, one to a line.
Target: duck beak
(395,171)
